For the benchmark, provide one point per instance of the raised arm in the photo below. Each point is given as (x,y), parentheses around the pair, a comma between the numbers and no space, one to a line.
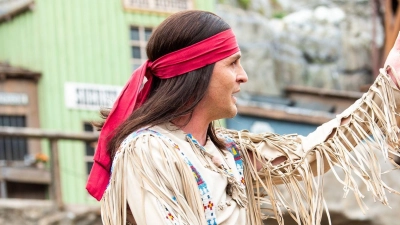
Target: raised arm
(371,123)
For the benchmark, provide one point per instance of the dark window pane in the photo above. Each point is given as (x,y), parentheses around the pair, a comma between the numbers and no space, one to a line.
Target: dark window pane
(88,127)
(136,52)
(13,148)
(13,121)
(88,166)
(2,148)
(6,121)
(135,33)
(89,146)
(22,147)
(21,121)
(147,33)
(8,149)
(89,149)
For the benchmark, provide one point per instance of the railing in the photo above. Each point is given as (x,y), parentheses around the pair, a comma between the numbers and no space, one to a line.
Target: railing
(169,6)
(53,137)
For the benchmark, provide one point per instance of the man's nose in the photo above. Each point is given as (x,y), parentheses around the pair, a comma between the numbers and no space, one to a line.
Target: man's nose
(242,75)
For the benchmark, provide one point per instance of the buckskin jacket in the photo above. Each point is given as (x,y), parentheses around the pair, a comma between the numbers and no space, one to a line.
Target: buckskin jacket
(161,175)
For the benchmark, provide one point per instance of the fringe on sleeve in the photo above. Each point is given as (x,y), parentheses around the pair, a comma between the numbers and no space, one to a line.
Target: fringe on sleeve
(373,125)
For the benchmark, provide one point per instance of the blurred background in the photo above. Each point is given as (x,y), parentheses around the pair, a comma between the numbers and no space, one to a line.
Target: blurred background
(61,61)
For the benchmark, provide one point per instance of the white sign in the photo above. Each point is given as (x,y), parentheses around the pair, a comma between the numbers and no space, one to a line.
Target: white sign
(90,96)
(7,98)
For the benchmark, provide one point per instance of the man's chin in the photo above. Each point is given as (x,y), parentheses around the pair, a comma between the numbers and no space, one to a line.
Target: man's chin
(233,113)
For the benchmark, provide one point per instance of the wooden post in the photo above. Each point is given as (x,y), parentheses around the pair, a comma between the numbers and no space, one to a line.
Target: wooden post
(3,189)
(55,187)
(392,25)
(375,55)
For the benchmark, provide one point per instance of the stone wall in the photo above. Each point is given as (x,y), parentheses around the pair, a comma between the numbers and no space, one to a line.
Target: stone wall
(324,44)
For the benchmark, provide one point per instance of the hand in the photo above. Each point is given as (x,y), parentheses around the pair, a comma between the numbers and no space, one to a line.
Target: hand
(393,60)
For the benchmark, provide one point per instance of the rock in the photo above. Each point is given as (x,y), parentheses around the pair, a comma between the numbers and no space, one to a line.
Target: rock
(278,52)
(255,40)
(353,81)
(356,42)
(322,76)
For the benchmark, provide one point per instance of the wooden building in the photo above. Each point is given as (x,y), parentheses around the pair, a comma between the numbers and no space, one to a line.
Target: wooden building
(82,53)
(19,108)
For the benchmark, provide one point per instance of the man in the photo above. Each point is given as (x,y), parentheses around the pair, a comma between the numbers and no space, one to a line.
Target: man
(161,160)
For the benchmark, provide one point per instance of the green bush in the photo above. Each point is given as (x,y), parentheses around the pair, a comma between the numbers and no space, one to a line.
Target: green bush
(245,4)
(278,15)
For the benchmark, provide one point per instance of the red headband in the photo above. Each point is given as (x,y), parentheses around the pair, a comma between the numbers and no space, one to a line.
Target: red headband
(203,53)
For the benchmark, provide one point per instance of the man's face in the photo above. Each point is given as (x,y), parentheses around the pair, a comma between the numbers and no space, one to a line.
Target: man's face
(227,76)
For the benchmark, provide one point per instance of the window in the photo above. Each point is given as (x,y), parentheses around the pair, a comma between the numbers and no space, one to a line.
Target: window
(139,37)
(89,148)
(13,148)
(159,5)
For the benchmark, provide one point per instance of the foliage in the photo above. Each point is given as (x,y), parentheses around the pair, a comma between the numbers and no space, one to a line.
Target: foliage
(245,4)
(278,15)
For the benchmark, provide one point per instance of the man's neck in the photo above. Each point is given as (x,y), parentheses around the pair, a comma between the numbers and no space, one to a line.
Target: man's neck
(197,127)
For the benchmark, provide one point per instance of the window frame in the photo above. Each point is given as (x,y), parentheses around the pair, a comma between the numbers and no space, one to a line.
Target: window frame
(21,142)
(141,43)
(88,158)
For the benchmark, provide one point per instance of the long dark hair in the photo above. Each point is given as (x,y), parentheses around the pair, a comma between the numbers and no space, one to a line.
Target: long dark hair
(178,96)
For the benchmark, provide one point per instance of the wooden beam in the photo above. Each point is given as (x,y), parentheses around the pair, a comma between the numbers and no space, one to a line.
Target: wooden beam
(392,25)
(3,189)
(55,175)
(323,92)
(25,175)
(276,114)
(39,133)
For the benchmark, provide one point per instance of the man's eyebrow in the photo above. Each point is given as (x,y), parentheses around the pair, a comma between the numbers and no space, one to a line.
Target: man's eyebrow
(236,57)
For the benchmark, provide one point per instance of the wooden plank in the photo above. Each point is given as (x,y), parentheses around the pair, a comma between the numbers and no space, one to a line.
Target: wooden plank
(323,92)
(272,113)
(25,175)
(40,133)
(55,175)
(3,189)
(392,25)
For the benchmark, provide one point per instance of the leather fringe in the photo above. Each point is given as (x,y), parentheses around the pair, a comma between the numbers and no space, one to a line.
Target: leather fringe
(373,125)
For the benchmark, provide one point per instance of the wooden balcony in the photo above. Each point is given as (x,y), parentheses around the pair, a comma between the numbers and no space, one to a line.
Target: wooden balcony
(28,175)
